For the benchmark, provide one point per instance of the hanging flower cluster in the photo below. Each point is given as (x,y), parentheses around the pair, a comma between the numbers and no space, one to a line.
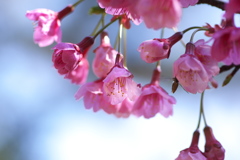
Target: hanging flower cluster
(114,90)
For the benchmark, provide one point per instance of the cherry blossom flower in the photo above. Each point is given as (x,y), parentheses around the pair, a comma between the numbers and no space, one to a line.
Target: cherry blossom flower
(190,72)
(104,58)
(226,46)
(187,3)
(154,99)
(92,95)
(93,98)
(193,152)
(119,85)
(48,25)
(69,59)
(153,50)
(158,14)
(158,49)
(213,148)
(121,7)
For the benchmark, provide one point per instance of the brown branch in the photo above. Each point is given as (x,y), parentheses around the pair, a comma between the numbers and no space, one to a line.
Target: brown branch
(214,3)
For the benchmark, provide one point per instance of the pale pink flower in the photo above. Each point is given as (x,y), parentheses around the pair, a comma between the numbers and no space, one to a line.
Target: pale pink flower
(121,7)
(158,49)
(190,72)
(158,14)
(193,152)
(93,98)
(118,85)
(154,99)
(153,50)
(48,25)
(213,148)
(187,3)
(232,7)
(69,59)
(92,95)
(104,58)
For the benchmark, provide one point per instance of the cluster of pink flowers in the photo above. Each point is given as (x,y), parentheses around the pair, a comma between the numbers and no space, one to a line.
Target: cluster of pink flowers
(114,91)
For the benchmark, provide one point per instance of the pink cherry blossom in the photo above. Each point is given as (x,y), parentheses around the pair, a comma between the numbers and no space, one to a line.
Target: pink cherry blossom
(157,49)
(93,98)
(70,60)
(92,95)
(121,7)
(193,152)
(153,50)
(187,3)
(158,14)
(154,99)
(48,25)
(66,57)
(118,85)
(104,58)
(190,72)
(213,148)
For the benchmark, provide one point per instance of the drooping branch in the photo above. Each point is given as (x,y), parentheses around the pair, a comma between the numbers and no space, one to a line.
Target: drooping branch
(215,3)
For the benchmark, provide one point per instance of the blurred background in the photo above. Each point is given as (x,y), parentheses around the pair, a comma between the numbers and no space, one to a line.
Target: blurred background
(41,120)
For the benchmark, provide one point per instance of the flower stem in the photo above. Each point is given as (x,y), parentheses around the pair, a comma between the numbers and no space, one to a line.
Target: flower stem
(193,34)
(75,4)
(102,29)
(201,112)
(125,46)
(190,28)
(97,26)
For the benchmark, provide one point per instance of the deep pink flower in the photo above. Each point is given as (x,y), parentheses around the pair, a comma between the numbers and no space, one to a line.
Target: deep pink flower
(213,148)
(104,58)
(193,152)
(187,3)
(157,49)
(226,46)
(118,85)
(48,25)
(190,72)
(69,59)
(121,7)
(232,7)
(154,99)
(158,14)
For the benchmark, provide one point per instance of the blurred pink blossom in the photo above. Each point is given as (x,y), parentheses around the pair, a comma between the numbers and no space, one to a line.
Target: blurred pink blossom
(158,14)
(187,3)
(48,24)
